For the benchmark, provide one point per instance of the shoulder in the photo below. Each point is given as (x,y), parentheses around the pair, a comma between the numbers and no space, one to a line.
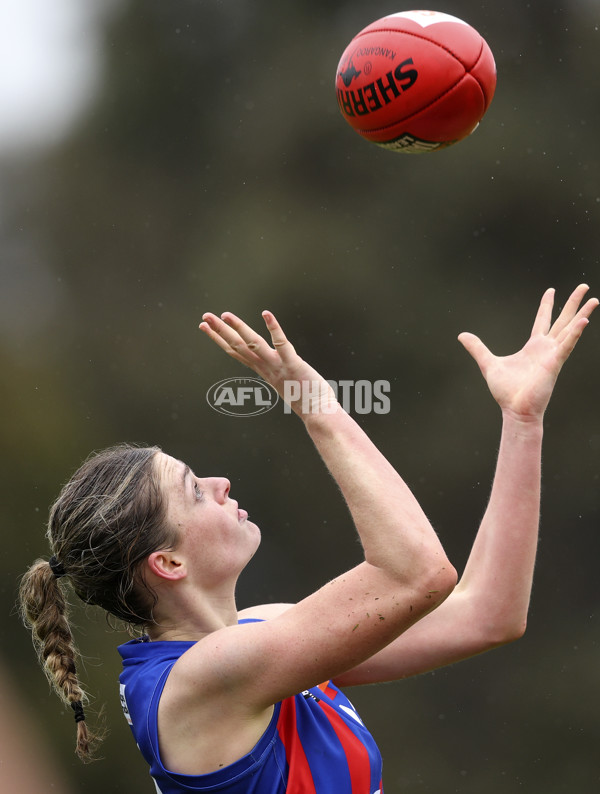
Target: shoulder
(263,611)
(224,660)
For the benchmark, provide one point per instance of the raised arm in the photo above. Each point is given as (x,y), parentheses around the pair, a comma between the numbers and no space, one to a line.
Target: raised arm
(489,605)
(405,573)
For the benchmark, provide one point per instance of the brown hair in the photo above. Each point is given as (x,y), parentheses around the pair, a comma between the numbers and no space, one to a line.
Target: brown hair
(107,519)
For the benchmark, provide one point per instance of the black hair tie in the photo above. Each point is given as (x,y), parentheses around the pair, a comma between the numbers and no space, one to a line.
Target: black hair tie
(77,707)
(56,567)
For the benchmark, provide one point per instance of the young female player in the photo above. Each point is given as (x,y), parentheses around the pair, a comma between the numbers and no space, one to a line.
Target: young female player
(247,702)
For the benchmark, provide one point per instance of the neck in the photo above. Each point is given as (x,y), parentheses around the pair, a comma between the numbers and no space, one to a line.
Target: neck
(194,619)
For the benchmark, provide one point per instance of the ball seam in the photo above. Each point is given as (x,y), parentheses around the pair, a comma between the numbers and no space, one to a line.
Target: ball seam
(479,83)
(417,112)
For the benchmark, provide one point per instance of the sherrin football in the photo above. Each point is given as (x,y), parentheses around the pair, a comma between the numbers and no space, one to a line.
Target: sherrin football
(416,81)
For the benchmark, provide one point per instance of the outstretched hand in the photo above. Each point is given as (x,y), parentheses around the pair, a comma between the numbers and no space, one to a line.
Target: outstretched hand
(522,383)
(295,380)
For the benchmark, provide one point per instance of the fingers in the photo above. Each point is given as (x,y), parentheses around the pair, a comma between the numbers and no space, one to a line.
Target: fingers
(570,310)
(240,335)
(214,328)
(571,322)
(233,336)
(475,347)
(280,342)
(543,318)
(240,341)
(569,335)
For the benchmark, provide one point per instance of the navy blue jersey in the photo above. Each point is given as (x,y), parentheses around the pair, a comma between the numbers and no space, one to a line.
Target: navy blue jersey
(315,743)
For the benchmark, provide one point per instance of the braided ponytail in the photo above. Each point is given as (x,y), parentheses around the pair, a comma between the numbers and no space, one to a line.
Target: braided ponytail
(45,609)
(106,521)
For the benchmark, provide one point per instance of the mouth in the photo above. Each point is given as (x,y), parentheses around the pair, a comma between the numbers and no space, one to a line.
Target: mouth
(241,514)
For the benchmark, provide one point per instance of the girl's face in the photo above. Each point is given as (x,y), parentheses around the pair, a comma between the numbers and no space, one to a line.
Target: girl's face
(215,535)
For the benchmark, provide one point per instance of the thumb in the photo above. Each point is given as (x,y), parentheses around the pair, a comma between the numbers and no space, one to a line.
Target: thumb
(476,349)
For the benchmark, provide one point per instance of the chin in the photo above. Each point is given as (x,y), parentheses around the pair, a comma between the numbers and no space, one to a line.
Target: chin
(256,530)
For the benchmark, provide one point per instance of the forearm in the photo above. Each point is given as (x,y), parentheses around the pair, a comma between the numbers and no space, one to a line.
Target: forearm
(489,605)
(392,527)
(499,572)
(395,532)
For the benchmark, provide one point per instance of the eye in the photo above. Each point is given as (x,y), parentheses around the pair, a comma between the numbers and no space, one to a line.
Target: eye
(197,492)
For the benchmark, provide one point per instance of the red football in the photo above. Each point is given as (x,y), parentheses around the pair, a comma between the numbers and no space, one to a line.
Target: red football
(416,81)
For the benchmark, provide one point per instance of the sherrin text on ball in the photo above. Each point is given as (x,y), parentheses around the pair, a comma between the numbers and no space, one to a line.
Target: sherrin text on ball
(416,81)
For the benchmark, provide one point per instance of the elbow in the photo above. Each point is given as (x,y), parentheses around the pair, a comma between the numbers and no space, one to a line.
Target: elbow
(441,581)
(487,623)
(499,633)
(449,576)
(512,631)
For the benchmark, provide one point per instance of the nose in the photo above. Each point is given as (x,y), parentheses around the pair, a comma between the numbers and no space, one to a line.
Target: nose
(220,487)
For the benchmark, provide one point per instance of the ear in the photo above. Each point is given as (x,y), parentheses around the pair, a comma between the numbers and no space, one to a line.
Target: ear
(167,565)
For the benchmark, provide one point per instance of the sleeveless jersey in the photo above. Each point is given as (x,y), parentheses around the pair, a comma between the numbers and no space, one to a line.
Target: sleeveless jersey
(315,743)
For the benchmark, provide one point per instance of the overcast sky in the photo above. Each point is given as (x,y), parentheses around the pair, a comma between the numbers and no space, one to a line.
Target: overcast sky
(50,61)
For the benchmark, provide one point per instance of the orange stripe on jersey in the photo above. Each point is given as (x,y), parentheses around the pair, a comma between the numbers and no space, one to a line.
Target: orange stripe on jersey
(328,689)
